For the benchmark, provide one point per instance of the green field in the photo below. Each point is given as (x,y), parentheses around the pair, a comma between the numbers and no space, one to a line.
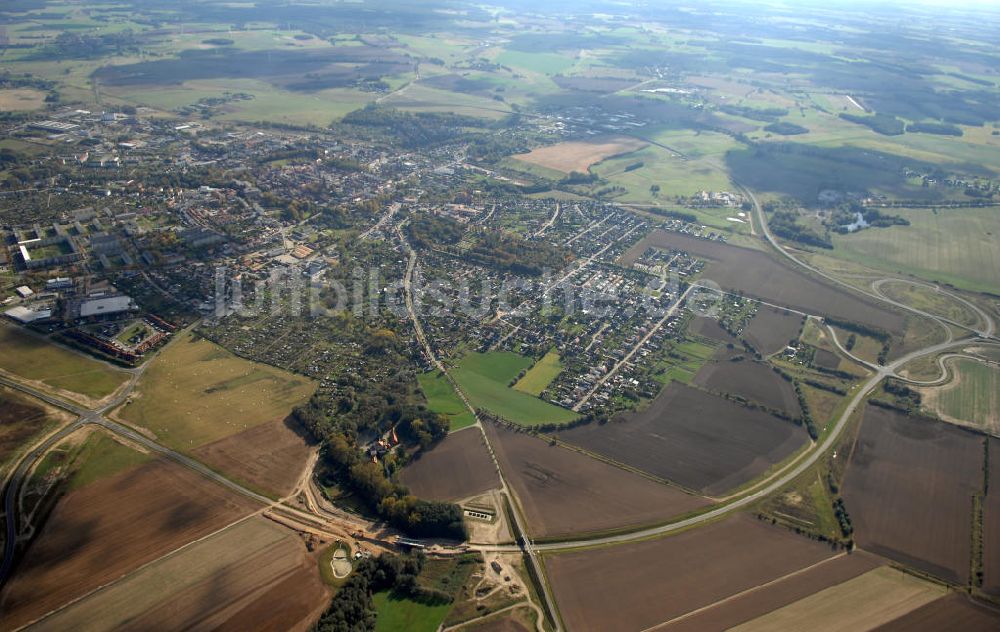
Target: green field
(674,175)
(100,457)
(956,246)
(543,63)
(196,392)
(35,359)
(538,377)
(974,397)
(421,98)
(485,379)
(694,356)
(442,399)
(399,614)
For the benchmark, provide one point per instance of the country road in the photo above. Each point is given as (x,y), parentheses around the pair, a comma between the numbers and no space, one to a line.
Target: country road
(525,546)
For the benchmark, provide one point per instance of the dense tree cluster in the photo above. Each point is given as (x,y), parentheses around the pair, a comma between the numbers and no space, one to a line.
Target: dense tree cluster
(941,129)
(413,130)
(510,253)
(428,231)
(785,224)
(884,124)
(338,422)
(785,128)
(352,609)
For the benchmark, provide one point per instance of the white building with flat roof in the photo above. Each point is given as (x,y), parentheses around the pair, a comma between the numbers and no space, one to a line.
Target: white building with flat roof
(105,305)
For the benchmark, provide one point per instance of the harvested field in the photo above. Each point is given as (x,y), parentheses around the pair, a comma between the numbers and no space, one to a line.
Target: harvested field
(256,575)
(709,328)
(760,601)
(752,380)
(875,598)
(195,392)
(772,329)
(15,99)
(112,526)
(637,585)
(540,375)
(514,621)
(954,612)
(580,155)
(456,468)
(826,359)
(991,524)
(701,441)
(907,471)
(21,419)
(599,85)
(268,457)
(565,492)
(757,274)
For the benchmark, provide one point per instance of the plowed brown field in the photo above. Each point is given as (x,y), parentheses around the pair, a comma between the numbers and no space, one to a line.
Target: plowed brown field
(758,274)
(456,468)
(634,586)
(269,457)
(699,440)
(909,488)
(108,528)
(565,492)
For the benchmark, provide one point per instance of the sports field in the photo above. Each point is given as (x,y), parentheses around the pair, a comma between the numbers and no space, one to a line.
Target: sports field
(485,379)
(196,392)
(442,399)
(956,246)
(538,377)
(32,358)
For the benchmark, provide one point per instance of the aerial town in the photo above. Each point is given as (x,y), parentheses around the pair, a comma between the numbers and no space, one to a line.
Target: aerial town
(389,317)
